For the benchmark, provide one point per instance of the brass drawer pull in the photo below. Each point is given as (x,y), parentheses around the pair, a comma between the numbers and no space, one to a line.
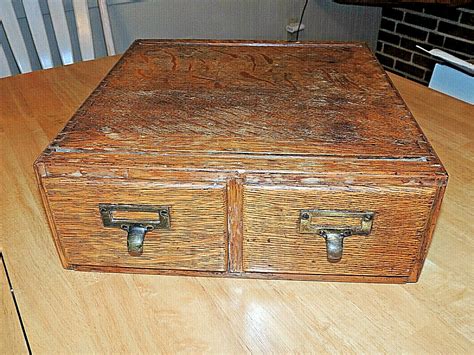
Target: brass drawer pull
(137,220)
(334,226)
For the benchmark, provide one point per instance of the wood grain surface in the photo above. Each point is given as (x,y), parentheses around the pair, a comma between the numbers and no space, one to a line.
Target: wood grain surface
(406,171)
(273,243)
(234,223)
(12,340)
(266,99)
(211,97)
(72,312)
(196,240)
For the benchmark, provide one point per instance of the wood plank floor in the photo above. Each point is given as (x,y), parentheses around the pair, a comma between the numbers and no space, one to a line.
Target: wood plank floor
(12,340)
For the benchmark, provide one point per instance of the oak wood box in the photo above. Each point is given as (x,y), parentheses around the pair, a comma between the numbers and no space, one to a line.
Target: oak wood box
(244,159)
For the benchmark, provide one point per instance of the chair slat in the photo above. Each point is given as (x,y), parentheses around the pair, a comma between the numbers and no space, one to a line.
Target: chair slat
(15,38)
(104,15)
(62,34)
(63,37)
(4,68)
(84,32)
(38,32)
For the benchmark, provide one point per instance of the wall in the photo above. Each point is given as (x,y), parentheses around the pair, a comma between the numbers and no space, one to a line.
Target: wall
(242,19)
(231,19)
(401,29)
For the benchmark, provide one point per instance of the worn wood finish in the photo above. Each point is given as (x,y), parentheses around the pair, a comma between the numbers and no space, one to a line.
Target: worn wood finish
(243,97)
(237,137)
(429,230)
(195,241)
(234,223)
(272,241)
(247,275)
(130,313)
(406,171)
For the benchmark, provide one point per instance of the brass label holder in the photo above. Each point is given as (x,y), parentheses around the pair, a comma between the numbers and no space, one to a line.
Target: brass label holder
(136,228)
(334,226)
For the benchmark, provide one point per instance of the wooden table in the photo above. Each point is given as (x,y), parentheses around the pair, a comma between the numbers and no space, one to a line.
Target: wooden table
(66,311)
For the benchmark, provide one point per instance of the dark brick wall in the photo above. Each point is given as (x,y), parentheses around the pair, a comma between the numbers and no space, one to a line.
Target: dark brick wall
(430,26)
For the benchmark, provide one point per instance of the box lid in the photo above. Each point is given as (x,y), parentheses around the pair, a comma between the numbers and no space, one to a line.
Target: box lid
(240,98)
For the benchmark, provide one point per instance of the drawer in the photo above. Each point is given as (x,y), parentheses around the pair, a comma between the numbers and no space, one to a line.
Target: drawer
(275,242)
(195,239)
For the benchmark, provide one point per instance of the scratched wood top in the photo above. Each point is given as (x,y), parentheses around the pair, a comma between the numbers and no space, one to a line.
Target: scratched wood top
(273,98)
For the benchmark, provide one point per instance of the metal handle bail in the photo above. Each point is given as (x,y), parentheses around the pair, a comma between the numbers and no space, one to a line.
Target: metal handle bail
(135,239)
(334,244)
(129,218)
(334,226)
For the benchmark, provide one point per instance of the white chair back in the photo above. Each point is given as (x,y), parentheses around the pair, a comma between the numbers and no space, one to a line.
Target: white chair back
(39,35)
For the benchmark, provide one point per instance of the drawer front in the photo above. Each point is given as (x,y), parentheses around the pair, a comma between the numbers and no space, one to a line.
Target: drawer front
(275,241)
(195,239)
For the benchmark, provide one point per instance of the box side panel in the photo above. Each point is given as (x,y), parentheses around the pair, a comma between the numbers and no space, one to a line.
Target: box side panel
(40,173)
(429,231)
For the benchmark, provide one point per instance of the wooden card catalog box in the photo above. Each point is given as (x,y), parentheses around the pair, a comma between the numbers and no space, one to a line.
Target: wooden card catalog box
(244,159)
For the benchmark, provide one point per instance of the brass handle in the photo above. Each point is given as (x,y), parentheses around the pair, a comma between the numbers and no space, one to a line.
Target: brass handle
(334,245)
(135,239)
(137,220)
(334,226)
